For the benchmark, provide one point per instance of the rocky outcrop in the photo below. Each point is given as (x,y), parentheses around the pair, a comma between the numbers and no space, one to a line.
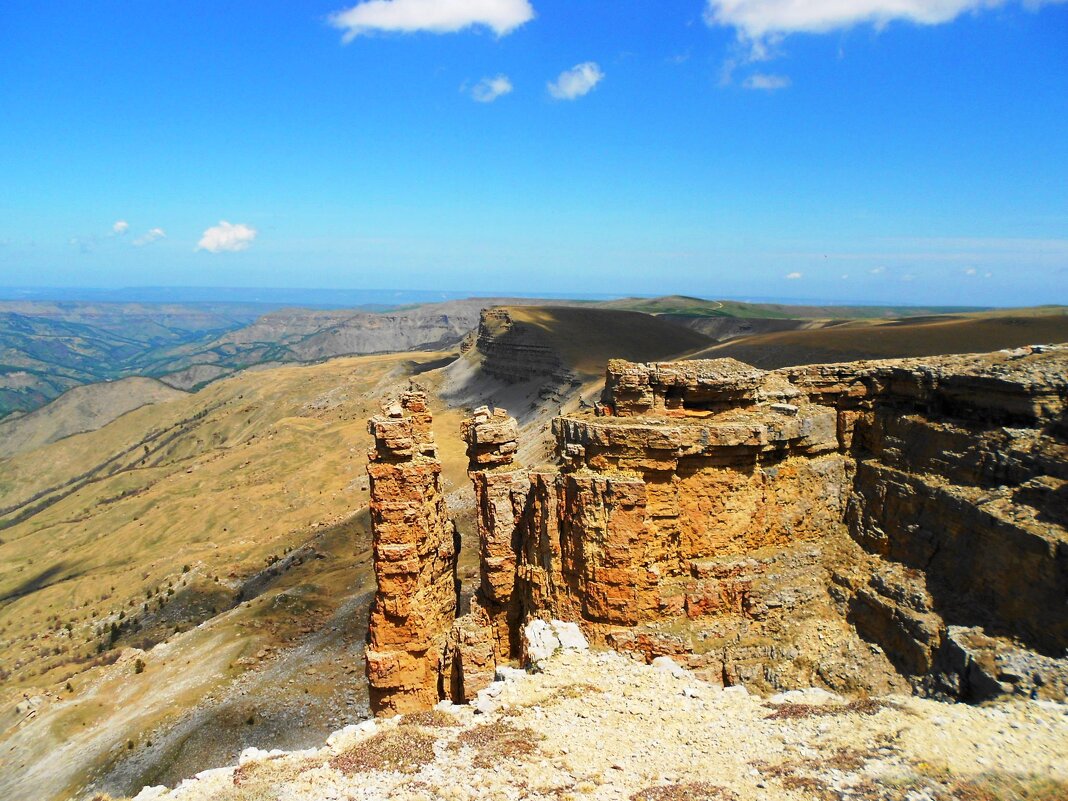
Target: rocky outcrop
(415,549)
(516,353)
(489,634)
(958,499)
(698,514)
(864,526)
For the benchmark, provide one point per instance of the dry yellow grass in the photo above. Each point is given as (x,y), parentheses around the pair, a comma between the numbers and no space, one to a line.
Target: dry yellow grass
(253,498)
(909,337)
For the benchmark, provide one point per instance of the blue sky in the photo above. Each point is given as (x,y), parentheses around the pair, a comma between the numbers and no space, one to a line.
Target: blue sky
(724,148)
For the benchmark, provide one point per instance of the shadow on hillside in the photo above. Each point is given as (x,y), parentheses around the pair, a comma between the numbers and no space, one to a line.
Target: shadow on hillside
(38,582)
(416,368)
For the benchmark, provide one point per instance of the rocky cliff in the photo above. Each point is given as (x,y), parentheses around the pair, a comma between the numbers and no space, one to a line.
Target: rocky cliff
(866,527)
(516,353)
(415,547)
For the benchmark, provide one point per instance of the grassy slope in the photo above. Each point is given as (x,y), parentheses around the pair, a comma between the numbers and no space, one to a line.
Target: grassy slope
(85,408)
(587,338)
(924,336)
(246,471)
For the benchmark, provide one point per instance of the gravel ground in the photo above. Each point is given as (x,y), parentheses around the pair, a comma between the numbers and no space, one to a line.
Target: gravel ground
(601,726)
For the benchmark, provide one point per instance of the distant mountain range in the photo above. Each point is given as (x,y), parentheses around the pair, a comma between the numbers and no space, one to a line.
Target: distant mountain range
(47,347)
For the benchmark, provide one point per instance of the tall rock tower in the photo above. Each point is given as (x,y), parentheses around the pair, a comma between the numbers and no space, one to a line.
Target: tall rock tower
(415,550)
(488,634)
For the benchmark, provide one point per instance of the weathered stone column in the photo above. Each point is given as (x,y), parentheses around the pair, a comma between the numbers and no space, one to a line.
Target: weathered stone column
(502,489)
(490,633)
(415,552)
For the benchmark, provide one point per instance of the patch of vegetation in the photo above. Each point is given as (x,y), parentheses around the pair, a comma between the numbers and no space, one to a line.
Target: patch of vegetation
(431,718)
(402,750)
(262,780)
(493,742)
(1003,787)
(860,706)
(572,692)
(691,791)
(804,775)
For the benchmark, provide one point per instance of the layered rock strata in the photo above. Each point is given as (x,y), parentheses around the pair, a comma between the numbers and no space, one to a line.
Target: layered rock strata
(415,550)
(865,526)
(516,353)
(489,634)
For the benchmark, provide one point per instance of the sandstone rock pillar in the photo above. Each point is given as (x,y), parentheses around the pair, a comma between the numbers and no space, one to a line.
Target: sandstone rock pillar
(501,492)
(415,550)
(489,634)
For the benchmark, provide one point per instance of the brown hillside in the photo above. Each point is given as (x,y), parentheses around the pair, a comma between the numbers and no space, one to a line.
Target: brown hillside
(85,408)
(585,339)
(926,336)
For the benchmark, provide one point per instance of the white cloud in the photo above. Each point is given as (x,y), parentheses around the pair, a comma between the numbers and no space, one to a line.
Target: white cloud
(120,227)
(767,83)
(793,276)
(877,270)
(489,89)
(227,237)
(971,271)
(150,236)
(758,19)
(435,16)
(576,82)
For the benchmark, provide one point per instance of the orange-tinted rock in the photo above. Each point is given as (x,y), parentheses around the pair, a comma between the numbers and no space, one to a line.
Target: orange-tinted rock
(414,559)
(711,502)
(757,527)
(470,659)
(491,438)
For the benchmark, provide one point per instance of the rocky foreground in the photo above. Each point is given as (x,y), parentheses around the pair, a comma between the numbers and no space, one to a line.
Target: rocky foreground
(603,726)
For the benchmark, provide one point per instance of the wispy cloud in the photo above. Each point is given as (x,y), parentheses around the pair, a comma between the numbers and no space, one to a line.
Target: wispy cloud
(489,89)
(227,237)
(120,227)
(793,276)
(150,236)
(434,16)
(85,244)
(766,83)
(756,20)
(762,25)
(577,81)
(877,270)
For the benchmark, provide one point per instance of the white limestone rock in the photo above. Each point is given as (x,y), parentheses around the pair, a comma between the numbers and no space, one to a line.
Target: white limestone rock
(814,696)
(665,664)
(543,639)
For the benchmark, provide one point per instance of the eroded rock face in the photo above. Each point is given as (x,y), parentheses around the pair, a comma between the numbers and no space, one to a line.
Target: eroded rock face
(516,353)
(490,634)
(415,549)
(866,526)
